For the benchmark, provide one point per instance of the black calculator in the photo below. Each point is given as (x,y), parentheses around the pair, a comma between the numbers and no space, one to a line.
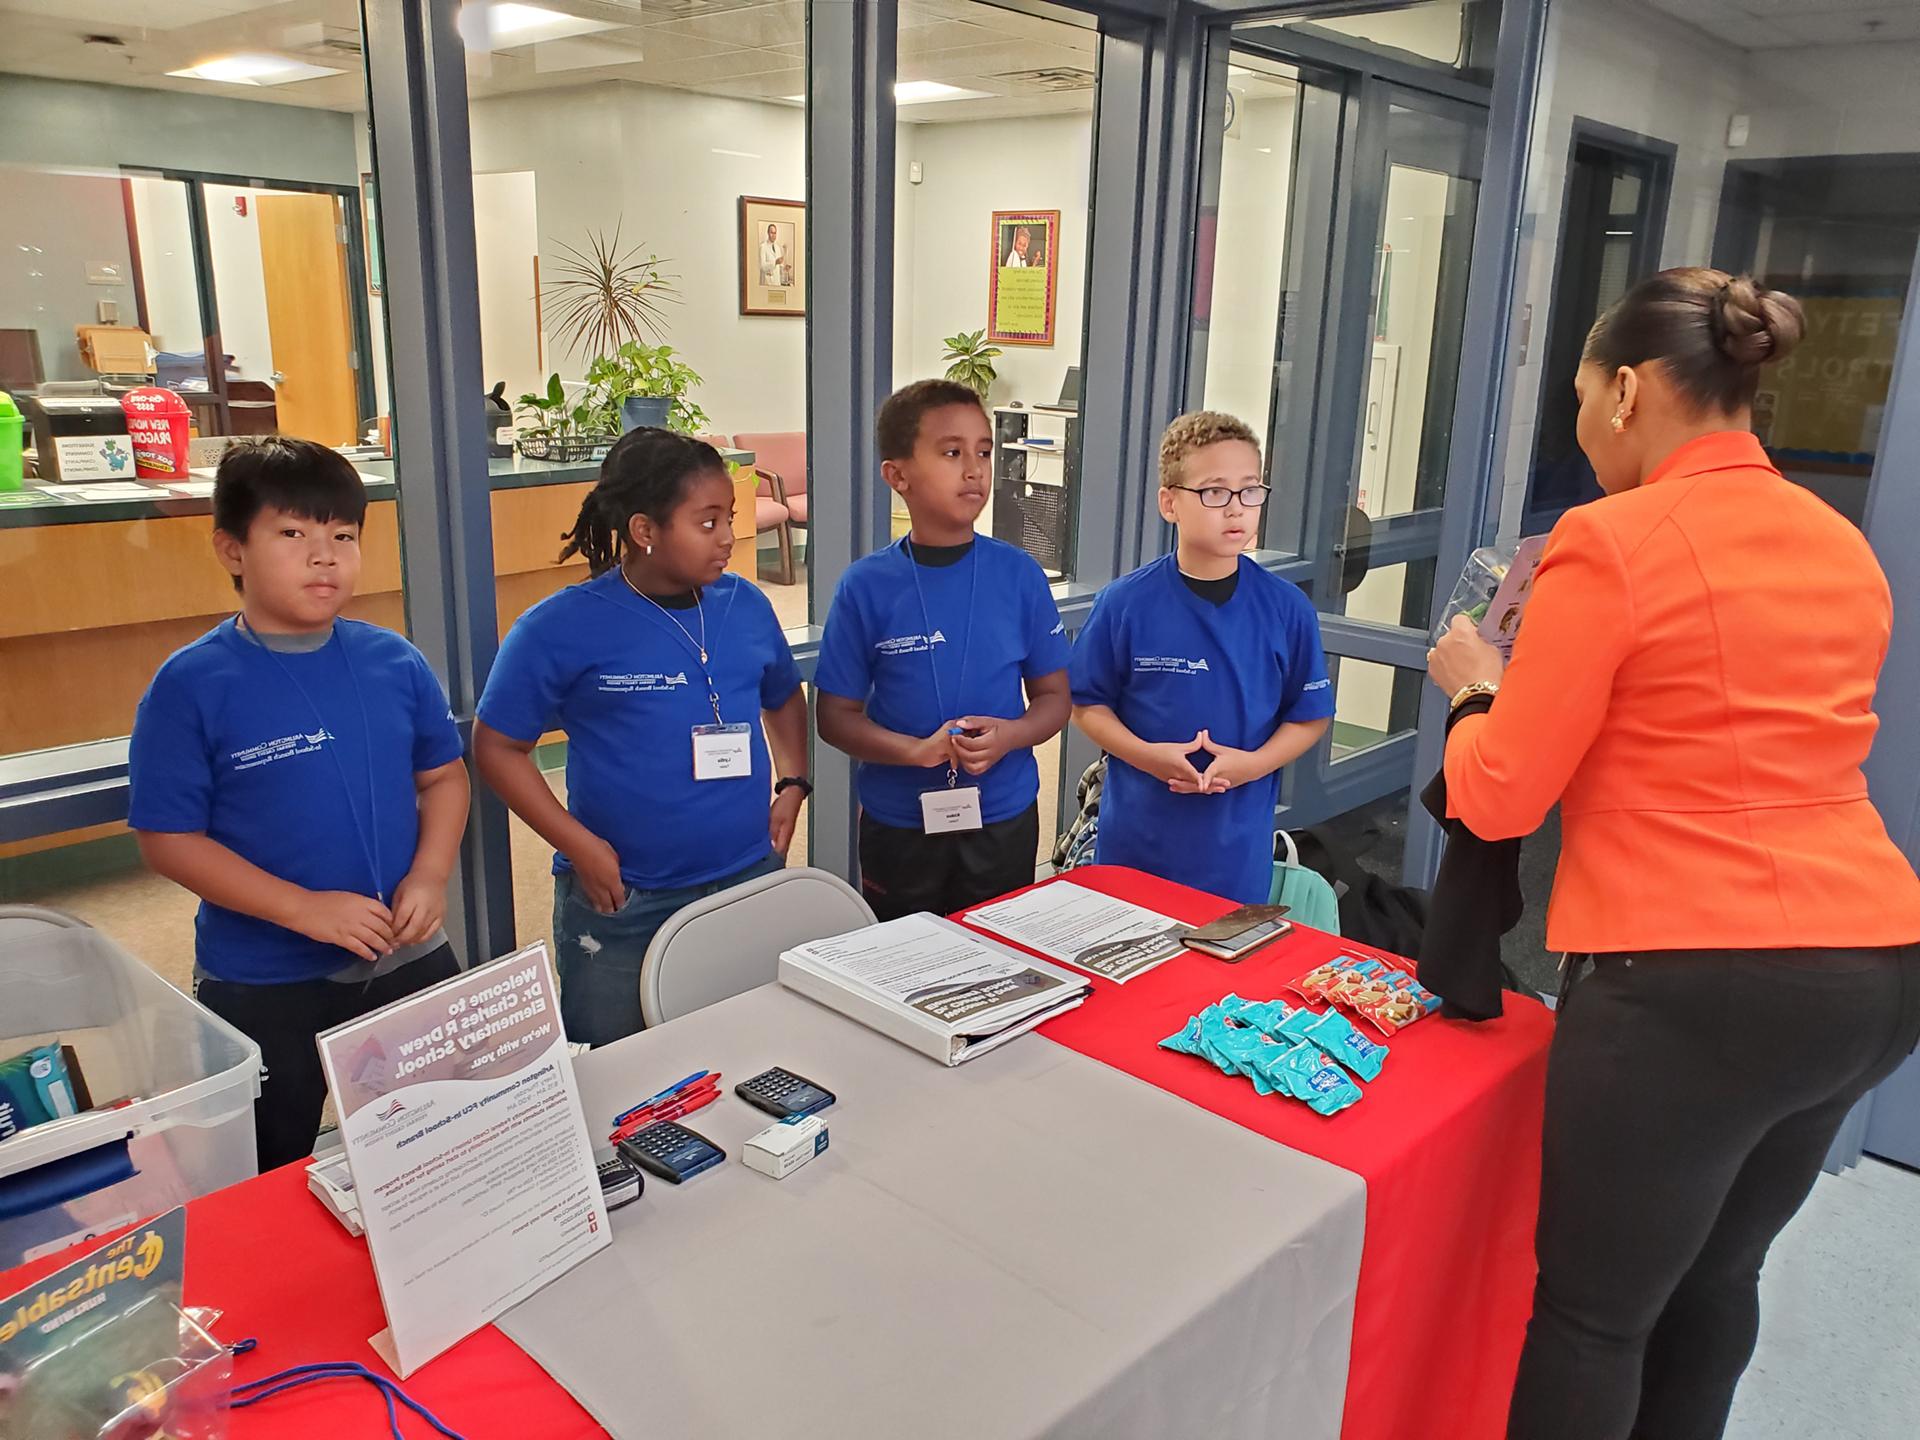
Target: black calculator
(671,1151)
(783,1094)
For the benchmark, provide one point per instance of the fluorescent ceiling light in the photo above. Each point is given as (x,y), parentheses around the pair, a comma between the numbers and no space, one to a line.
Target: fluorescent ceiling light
(254,70)
(921,92)
(505,24)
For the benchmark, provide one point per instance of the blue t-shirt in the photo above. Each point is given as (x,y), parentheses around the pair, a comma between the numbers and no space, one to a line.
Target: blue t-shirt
(881,649)
(623,679)
(268,752)
(1171,664)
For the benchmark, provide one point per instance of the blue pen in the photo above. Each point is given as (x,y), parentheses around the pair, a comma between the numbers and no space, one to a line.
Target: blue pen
(624,1115)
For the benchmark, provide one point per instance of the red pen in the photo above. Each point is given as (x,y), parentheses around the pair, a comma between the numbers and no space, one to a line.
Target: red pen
(697,1099)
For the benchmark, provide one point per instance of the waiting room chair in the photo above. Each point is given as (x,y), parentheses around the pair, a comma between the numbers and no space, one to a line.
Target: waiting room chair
(781,458)
(731,942)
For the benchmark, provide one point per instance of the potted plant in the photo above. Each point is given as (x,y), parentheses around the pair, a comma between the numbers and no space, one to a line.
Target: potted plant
(561,431)
(601,297)
(970,361)
(644,385)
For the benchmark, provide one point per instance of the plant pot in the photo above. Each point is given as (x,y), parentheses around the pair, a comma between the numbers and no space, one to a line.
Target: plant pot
(645,410)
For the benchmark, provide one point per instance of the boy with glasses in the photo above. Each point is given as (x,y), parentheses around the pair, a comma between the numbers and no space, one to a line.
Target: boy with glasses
(1201,675)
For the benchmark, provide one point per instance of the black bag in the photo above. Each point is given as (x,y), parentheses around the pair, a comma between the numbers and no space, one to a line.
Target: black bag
(1373,910)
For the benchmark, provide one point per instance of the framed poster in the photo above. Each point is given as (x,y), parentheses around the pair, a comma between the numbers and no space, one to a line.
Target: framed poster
(1024,277)
(773,256)
(370,218)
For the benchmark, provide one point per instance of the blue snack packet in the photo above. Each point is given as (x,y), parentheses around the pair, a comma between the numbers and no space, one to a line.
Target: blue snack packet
(1267,1015)
(1334,1033)
(1187,1042)
(1238,1048)
(34,1088)
(1310,1076)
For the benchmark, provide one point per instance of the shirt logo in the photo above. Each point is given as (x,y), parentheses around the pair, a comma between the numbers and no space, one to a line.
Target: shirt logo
(285,747)
(1169,665)
(641,683)
(910,644)
(1320,684)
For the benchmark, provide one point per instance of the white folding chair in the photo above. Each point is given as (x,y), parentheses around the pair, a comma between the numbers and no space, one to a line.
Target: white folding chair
(732,941)
(17,922)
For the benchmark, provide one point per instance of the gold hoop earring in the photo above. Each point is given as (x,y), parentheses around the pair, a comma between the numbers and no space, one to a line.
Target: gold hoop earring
(1619,422)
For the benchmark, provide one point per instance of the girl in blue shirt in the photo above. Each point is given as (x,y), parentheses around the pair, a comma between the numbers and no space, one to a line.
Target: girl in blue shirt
(1201,675)
(659,669)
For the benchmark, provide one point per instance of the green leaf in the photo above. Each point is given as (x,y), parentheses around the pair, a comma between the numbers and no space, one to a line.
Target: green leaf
(555,394)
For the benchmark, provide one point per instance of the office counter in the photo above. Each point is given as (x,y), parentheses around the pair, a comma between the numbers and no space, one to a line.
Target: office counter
(95,594)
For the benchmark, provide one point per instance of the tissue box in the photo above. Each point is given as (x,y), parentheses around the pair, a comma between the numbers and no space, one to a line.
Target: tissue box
(781,1149)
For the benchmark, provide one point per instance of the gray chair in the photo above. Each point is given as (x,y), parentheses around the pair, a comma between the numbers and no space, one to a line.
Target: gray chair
(732,941)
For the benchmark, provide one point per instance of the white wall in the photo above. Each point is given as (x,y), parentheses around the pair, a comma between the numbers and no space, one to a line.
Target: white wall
(1249,255)
(239,282)
(972,169)
(506,240)
(166,263)
(669,167)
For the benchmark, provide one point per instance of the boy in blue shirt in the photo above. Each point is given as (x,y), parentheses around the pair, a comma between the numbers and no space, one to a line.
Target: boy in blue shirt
(686,725)
(943,663)
(302,774)
(1201,675)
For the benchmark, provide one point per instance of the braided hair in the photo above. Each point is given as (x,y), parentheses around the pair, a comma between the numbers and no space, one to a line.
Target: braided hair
(645,473)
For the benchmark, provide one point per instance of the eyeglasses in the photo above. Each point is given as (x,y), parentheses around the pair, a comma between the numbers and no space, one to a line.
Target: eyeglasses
(1218,497)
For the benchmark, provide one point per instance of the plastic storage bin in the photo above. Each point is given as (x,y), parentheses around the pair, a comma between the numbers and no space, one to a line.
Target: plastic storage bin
(189,1077)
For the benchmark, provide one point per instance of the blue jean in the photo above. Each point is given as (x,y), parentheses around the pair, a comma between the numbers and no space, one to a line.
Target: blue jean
(598,956)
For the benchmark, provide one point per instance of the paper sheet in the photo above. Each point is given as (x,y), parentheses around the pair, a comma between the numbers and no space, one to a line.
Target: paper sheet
(1083,928)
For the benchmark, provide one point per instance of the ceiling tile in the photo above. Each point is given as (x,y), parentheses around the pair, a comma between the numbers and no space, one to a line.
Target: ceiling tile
(779,22)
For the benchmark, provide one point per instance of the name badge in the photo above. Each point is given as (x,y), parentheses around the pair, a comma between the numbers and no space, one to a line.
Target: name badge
(942,812)
(722,752)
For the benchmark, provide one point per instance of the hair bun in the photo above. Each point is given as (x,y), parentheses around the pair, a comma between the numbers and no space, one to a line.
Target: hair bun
(1753,326)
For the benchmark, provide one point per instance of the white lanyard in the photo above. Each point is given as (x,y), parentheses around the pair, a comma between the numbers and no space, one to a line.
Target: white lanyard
(966,648)
(699,646)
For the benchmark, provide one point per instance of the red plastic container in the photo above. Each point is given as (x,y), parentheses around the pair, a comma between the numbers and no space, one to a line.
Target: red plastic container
(157,423)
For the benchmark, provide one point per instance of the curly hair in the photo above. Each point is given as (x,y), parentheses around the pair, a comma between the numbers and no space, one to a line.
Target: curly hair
(1196,431)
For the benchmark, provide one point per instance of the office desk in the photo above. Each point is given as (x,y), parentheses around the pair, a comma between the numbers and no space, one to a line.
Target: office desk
(98,593)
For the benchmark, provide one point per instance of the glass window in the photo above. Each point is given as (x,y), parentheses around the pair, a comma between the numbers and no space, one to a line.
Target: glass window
(993,155)
(1458,34)
(640,228)
(1774,142)
(185,214)
(1373,704)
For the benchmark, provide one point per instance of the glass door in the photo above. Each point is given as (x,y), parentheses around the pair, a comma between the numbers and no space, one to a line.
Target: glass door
(1383,185)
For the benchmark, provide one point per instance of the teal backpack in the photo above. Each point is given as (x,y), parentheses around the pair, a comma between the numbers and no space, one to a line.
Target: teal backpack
(1309,898)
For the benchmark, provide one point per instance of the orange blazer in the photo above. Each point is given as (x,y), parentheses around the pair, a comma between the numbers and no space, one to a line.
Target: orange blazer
(1694,684)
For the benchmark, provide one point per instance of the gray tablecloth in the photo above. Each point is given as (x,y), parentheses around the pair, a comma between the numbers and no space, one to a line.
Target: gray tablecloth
(1031,1244)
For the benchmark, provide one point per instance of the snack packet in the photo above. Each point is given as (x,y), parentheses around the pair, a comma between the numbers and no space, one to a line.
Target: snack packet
(1266,1015)
(1315,984)
(1308,1075)
(1334,1033)
(34,1088)
(1397,1005)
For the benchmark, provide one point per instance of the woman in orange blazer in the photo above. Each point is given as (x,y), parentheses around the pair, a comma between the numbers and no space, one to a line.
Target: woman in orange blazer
(1693,684)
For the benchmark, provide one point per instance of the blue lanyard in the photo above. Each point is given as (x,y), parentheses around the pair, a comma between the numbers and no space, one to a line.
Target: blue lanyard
(369,848)
(926,634)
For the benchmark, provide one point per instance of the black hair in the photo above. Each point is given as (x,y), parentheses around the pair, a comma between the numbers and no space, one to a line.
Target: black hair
(898,428)
(645,473)
(281,472)
(1710,330)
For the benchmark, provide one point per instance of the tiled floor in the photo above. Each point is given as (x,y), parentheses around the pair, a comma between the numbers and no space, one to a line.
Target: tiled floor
(1840,1316)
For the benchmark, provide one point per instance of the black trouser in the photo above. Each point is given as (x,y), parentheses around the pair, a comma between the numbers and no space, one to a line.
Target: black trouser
(905,871)
(282,1020)
(1691,1097)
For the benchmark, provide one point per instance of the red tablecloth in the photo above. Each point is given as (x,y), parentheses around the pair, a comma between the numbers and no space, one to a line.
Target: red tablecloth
(1447,1139)
(269,1255)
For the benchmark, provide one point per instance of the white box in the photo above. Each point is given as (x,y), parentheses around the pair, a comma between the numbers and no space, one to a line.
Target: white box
(785,1146)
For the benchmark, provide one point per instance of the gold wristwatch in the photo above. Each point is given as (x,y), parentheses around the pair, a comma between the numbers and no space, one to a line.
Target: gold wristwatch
(1488,688)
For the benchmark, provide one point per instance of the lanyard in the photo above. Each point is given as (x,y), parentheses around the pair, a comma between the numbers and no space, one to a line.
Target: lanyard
(699,646)
(926,634)
(369,848)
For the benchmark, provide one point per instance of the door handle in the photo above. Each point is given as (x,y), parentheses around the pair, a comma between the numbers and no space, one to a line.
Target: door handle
(277,377)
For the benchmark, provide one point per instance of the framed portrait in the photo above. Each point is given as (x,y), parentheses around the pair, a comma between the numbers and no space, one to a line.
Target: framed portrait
(1024,278)
(773,256)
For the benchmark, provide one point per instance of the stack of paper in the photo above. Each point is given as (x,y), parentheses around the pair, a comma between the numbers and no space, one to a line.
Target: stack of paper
(332,1186)
(1098,933)
(932,984)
